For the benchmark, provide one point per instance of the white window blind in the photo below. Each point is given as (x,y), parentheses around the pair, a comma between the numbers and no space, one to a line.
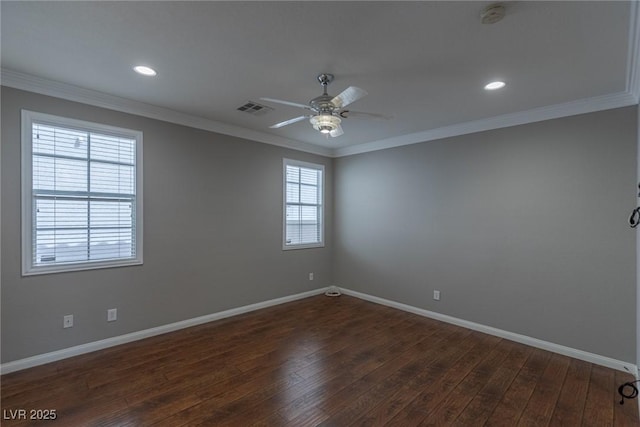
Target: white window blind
(80,192)
(303,207)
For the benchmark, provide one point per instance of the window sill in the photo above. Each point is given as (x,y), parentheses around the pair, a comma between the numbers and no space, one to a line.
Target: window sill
(307,246)
(67,268)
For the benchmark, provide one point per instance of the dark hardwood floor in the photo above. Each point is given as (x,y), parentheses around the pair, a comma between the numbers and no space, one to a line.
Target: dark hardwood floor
(321,361)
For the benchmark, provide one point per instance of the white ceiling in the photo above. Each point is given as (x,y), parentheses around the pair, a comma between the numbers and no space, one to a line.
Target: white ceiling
(424,63)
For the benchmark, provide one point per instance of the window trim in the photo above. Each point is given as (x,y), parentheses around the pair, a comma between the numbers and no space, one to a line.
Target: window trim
(291,162)
(27,217)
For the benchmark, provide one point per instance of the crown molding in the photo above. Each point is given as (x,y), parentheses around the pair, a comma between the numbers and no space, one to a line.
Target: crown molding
(31,83)
(74,93)
(633,57)
(582,106)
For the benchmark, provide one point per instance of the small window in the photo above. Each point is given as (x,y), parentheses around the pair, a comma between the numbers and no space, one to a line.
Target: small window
(81,195)
(303,205)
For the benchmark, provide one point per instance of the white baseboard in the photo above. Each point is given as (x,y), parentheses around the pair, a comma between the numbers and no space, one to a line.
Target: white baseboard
(53,356)
(533,342)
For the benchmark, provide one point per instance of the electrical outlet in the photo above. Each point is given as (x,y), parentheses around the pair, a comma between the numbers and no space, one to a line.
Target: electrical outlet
(310,276)
(67,321)
(112,315)
(436,295)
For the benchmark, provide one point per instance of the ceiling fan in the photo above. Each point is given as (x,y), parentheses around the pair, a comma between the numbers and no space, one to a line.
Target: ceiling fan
(325,111)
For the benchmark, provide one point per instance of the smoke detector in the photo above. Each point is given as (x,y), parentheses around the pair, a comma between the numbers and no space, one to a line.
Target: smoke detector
(492,13)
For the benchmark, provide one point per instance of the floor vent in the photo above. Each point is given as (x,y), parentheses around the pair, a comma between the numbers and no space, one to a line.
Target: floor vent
(254,108)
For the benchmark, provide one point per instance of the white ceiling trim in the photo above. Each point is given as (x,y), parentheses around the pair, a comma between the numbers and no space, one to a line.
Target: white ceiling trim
(633,67)
(630,96)
(69,92)
(605,102)
(31,83)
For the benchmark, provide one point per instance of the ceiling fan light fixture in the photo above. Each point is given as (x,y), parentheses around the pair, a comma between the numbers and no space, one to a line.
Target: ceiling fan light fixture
(325,123)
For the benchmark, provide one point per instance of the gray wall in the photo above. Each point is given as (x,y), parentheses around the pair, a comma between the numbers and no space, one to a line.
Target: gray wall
(212,236)
(523,228)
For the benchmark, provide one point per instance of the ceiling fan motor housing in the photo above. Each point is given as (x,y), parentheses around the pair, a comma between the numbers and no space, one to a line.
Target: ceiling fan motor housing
(322,104)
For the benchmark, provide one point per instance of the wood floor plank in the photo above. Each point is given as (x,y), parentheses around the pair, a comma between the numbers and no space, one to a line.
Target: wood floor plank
(515,399)
(478,391)
(320,361)
(366,391)
(151,410)
(398,399)
(346,369)
(352,372)
(569,409)
(543,400)
(436,381)
(598,410)
(312,417)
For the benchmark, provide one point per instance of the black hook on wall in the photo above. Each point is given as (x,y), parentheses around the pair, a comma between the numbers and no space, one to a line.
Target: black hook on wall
(634,218)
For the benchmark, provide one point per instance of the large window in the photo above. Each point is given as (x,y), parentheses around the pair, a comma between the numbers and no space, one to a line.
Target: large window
(303,207)
(81,195)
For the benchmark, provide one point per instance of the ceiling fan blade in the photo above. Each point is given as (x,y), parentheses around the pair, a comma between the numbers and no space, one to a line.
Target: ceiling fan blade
(288,122)
(347,96)
(336,132)
(289,103)
(359,114)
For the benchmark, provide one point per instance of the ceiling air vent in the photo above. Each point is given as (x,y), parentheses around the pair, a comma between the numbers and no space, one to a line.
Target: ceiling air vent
(492,13)
(254,108)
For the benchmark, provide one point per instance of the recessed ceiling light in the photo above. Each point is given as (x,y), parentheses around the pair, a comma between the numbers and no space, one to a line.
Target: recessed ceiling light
(494,85)
(145,71)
